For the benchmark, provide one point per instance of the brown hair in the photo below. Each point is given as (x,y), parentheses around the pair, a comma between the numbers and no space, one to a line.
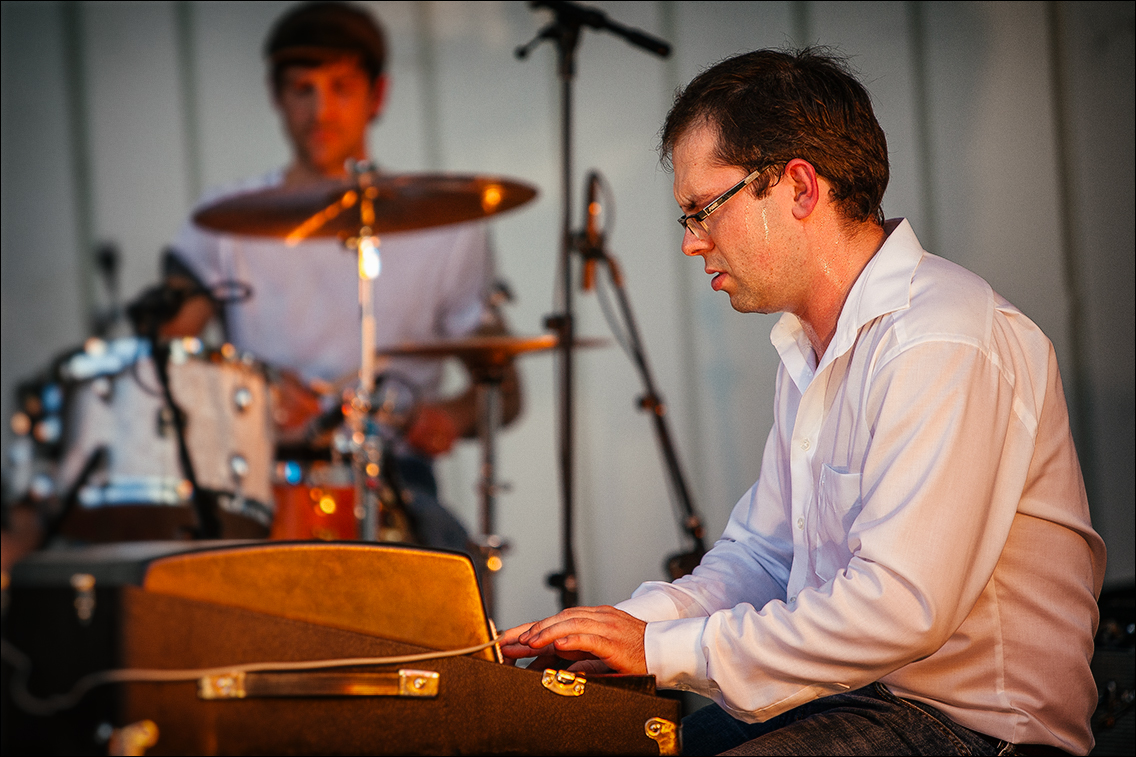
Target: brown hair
(315,33)
(770,106)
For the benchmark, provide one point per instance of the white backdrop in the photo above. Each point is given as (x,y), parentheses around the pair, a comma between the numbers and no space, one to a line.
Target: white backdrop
(1011,134)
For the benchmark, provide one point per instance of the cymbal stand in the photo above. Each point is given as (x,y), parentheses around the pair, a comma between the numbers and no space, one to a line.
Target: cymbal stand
(564,30)
(488,381)
(366,444)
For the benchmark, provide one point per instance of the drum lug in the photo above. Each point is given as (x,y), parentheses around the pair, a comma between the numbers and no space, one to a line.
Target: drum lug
(102,388)
(239,466)
(242,399)
(165,421)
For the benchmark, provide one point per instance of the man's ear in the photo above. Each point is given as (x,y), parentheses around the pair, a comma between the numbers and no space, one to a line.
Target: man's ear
(805,186)
(379,95)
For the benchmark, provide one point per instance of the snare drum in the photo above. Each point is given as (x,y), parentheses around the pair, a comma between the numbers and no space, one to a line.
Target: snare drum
(115,403)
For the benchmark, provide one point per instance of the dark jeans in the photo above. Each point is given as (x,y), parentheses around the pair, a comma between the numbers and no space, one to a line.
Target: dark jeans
(867,721)
(435,525)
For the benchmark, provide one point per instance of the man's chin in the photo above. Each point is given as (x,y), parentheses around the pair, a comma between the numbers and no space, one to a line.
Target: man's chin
(327,162)
(744,304)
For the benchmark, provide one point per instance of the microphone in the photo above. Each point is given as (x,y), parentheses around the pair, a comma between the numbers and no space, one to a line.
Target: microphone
(156,306)
(593,242)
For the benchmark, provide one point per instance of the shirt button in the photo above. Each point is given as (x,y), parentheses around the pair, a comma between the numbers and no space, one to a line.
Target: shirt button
(805,444)
(800,522)
(792,600)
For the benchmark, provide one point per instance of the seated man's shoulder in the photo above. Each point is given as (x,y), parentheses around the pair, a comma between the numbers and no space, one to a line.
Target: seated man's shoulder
(949,302)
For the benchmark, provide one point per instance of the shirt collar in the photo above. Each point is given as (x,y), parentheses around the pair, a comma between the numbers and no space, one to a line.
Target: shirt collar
(884,286)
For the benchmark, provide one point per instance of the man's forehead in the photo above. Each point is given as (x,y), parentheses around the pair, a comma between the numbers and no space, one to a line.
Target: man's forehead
(697,132)
(339,65)
(698,171)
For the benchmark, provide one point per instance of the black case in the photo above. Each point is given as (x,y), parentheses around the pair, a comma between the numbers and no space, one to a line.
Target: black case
(186,612)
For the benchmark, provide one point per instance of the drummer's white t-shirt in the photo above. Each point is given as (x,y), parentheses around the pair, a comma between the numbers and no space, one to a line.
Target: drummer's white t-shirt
(304,310)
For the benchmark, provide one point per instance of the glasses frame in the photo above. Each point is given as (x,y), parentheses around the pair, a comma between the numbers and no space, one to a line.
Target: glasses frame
(699,218)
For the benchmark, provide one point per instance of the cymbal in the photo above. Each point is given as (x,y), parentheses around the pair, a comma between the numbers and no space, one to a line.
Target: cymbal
(484,350)
(383,203)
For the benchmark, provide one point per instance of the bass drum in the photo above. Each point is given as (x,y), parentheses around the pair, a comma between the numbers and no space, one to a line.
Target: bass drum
(120,450)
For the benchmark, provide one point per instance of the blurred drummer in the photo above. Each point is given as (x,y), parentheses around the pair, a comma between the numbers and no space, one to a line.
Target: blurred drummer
(327,82)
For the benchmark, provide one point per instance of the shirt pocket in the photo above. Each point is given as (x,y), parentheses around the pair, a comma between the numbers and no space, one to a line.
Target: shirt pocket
(838,504)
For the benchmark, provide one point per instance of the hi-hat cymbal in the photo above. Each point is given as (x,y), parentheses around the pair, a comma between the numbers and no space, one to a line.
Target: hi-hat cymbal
(484,350)
(382,203)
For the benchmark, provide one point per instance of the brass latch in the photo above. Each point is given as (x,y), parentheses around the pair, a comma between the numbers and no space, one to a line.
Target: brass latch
(133,739)
(222,686)
(563,682)
(242,685)
(665,734)
(84,586)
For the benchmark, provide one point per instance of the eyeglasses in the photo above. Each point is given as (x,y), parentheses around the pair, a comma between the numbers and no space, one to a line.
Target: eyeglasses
(695,223)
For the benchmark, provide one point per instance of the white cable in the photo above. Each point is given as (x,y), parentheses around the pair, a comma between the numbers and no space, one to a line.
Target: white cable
(34,705)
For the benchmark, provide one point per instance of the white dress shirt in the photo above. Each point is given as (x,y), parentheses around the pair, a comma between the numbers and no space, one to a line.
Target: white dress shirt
(920,520)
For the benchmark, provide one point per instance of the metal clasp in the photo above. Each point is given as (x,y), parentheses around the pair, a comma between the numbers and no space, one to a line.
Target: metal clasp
(664,733)
(133,739)
(406,682)
(222,686)
(417,683)
(563,682)
(84,586)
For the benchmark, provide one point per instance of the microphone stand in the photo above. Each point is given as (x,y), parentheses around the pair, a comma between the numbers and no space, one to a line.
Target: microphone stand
(592,248)
(564,31)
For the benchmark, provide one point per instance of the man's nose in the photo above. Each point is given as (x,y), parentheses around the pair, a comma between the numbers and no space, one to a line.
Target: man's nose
(321,102)
(692,245)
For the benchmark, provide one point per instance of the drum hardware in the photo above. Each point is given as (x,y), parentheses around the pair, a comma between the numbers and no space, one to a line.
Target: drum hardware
(208,524)
(242,398)
(116,401)
(240,468)
(107,260)
(366,199)
(489,414)
(356,210)
(40,402)
(154,308)
(564,30)
(486,358)
(317,499)
(95,461)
